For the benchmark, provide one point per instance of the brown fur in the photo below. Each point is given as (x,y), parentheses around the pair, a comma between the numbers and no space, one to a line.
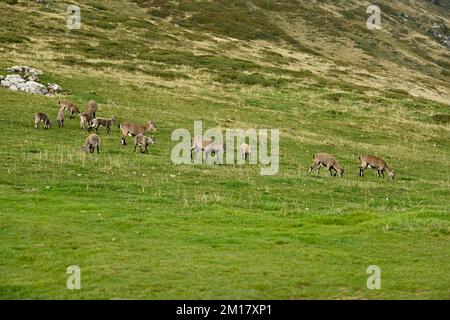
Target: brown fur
(60,118)
(143,142)
(216,148)
(92,142)
(85,120)
(133,129)
(38,117)
(198,143)
(69,106)
(376,163)
(97,122)
(92,108)
(326,160)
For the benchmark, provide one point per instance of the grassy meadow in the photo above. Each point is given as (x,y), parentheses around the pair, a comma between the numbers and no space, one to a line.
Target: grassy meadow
(141,227)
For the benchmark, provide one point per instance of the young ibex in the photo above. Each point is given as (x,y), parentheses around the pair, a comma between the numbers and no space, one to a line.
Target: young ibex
(143,142)
(199,144)
(92,142)
(38,117)
(246,151)
(69,106)
(133,129)
(60,118)
(375,163)
(216,148)
(92,108)
(85,120)
(97,122)
(326,160)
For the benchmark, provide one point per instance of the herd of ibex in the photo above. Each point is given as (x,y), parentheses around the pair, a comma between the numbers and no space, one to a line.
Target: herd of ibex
(88,120)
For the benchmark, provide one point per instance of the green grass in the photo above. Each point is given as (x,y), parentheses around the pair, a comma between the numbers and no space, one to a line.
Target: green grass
(141,227)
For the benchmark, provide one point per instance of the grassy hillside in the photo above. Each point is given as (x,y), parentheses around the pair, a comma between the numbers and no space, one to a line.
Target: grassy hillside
(141,227)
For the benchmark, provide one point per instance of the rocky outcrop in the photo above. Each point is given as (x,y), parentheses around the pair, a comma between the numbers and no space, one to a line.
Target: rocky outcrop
(27,79)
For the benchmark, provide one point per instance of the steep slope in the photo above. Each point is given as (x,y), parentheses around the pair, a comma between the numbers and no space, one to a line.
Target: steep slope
(278,41)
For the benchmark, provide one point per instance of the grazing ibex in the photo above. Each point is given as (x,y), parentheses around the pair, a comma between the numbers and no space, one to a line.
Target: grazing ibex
(85,121)
(326,160)
(69,106)
(133,129)
(97,122)
(92,142)
(92,108)
(375,163)
(216,148)
(199,144)
(60,118)
(246,151)
(38,117)
(143,142)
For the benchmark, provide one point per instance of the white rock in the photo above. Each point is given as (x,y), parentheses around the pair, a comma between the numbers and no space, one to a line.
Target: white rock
(32,77)
(30,73)
(14,79)
(22,86)
(36,87)
(54,87)
(27,81)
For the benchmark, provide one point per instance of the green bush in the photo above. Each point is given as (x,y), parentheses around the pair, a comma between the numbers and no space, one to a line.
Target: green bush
(11,38)
(11,2)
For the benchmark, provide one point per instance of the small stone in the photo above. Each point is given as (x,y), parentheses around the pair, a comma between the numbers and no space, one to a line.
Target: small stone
(53,87)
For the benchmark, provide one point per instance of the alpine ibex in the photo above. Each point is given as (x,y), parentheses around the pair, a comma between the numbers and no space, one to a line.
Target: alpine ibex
(132,129)
(216,148)
(60,118)
(374,162)
(97,122)
(199,144)
(92,142)
(38,117)
(143,142)
(92,108)
(246,151)
(85,120)
(326,160)
(69,106)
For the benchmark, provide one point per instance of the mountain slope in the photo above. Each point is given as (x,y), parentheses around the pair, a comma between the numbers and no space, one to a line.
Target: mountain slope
(142,227)
(321,37)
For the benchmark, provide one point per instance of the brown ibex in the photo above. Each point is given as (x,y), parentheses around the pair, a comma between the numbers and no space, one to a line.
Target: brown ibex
(97,122)
(374,162)
(92,108)
(326,160)
(132,129)
(69,106)
(92,142)
(143,142)
(38,117)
